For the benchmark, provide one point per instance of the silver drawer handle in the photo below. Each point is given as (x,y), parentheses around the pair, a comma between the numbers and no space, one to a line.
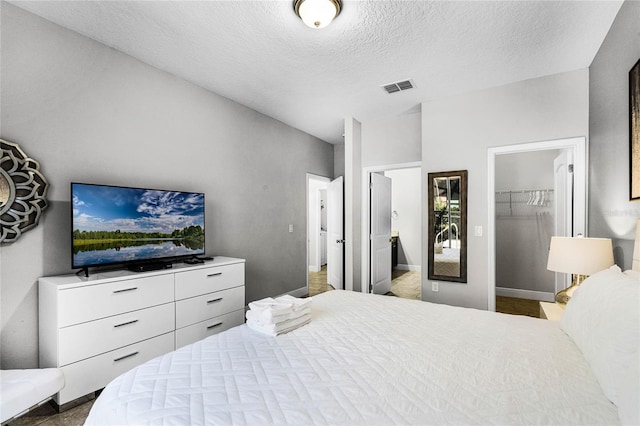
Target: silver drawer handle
(214,325)
(214,300)
(125,357)
(125,323)
(215,274)
(125,289)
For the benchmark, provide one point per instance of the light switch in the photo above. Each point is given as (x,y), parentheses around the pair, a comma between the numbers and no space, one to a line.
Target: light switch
(478,231)
(291,227)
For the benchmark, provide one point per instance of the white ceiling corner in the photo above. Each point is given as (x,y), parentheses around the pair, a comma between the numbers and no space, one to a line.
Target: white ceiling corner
(258,53)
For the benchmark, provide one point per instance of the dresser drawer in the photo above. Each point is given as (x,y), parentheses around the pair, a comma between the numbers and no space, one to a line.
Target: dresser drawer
(199,331)
(95,373)
(199,308)
(81,304)
(85,340)
(207,280)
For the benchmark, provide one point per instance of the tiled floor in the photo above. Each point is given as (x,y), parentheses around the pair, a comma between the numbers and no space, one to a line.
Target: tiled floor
(404,284)
(514,306)
(318,282)
(46,415)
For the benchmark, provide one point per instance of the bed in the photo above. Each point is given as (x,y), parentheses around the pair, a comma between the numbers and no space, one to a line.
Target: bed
(370,359)
(446,254)
(447,262)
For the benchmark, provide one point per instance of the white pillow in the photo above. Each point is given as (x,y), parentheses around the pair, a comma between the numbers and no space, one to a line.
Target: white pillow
(603,320)
(629,405)
(633,274)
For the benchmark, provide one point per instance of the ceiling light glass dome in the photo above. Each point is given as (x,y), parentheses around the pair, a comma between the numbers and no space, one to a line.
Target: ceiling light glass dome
(317,13)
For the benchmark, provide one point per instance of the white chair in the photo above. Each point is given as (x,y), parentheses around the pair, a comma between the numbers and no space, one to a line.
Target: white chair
(22,390)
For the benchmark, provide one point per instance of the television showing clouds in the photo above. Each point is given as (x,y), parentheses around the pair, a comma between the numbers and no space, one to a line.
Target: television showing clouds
(107,208)
(119,225)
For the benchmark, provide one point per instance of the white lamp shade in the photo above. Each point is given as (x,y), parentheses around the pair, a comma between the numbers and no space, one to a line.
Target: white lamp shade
(580,256)
(317,13)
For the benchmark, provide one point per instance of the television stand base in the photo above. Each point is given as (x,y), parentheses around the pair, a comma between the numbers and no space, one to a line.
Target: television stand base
(149,266)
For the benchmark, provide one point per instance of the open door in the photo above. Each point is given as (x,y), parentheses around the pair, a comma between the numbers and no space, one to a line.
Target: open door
(380,234)
(335,233)
(563,189)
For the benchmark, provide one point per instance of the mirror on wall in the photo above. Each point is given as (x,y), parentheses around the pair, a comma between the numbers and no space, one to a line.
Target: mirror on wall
(448,226)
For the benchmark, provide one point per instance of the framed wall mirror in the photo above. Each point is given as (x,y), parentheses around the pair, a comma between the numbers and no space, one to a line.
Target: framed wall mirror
(447,212)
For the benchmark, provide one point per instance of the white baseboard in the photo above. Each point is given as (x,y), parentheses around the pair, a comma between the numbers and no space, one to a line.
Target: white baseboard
(314,268)
(404,267)
(525,294)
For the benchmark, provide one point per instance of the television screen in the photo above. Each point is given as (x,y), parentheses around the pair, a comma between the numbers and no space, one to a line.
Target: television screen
(112,224)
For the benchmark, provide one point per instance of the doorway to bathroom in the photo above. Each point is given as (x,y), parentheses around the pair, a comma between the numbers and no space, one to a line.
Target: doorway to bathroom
(392,229)
(325,229)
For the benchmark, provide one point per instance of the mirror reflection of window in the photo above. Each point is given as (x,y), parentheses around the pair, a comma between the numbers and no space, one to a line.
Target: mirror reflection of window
(447,211)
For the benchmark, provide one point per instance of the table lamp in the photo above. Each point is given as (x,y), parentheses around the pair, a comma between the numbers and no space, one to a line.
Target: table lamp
(578,256)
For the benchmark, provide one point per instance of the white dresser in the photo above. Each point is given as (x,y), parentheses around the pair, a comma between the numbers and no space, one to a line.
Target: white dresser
(208,300)
(98,327)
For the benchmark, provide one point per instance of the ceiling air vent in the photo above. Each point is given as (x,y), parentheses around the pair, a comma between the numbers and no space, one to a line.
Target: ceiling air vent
(398,86)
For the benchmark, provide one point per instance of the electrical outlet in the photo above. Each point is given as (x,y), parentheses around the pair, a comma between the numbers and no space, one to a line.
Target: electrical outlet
(434,286)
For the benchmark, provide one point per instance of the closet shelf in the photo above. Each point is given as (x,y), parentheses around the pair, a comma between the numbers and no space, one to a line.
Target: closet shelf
(523,203)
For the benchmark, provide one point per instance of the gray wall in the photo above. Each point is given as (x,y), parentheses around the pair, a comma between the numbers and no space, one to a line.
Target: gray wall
(338,160)
(611,214)
(92,114)
(391,140)
(456,133)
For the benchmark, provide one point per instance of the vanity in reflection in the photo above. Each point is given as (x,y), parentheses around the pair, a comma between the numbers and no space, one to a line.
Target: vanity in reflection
(447,211)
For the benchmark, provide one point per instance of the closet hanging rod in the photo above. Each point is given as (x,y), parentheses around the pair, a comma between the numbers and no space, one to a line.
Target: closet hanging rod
(522,191)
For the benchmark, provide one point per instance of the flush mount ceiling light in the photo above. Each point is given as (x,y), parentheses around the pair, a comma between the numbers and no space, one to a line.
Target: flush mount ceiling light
(317,13)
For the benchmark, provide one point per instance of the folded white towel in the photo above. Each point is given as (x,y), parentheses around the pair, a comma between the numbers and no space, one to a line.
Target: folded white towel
(280,309)
(281,328)
(265,317)
(273,306)
(297,302)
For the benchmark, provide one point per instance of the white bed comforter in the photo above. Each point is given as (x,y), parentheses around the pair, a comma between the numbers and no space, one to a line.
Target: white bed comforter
(447,263)
(367,359)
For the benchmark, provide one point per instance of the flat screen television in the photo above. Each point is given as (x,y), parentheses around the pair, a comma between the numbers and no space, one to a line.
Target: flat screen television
(134,226)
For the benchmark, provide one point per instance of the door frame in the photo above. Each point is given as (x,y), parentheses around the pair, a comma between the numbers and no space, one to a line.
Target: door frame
(366,215)
(336,250)
(310,177)
(581,194)
(562,280)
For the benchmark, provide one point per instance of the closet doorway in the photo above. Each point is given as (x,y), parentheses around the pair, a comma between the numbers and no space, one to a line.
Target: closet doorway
(536,191)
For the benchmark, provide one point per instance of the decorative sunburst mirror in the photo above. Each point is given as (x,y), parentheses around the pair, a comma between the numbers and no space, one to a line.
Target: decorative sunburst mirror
(22,192)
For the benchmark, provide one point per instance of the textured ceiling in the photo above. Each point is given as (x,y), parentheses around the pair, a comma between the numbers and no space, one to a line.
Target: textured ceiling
(258,53)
